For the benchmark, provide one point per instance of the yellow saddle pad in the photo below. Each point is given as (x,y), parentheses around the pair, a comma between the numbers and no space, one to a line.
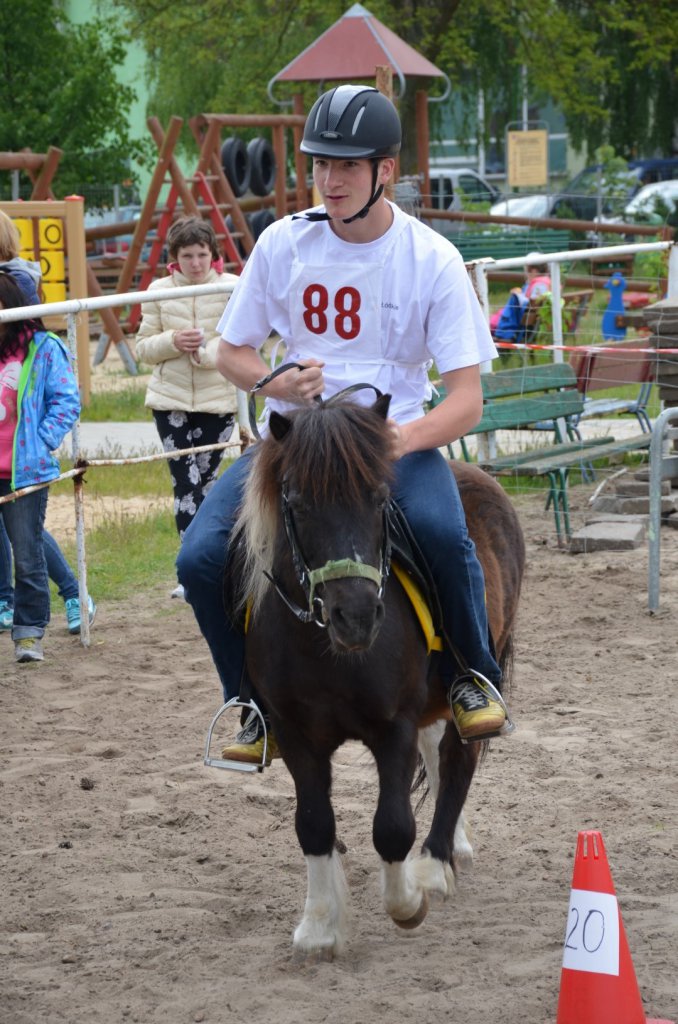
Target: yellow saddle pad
(421,608)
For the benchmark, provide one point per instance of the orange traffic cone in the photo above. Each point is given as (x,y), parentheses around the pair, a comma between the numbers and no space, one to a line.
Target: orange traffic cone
(598,983)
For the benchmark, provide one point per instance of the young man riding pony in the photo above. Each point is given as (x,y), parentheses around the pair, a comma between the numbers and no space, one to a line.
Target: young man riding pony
(359,291)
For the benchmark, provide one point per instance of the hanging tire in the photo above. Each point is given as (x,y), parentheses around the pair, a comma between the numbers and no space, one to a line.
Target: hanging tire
(259,221)
(236,164)
(263,166)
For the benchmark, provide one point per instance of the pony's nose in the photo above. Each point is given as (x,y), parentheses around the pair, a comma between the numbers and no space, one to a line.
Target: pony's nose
(355,624)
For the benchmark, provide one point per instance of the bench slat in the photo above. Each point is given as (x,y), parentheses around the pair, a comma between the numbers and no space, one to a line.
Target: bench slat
(519,413)
(552,459)
(529,455)
(527,379)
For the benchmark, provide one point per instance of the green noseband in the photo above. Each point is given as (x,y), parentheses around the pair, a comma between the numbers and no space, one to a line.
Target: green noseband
(342,569)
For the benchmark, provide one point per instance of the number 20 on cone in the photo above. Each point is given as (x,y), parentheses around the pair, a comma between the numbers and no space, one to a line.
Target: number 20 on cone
(592,933)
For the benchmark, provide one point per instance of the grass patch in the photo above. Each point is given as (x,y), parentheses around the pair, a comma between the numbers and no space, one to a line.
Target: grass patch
(137,480)
(143,479)
(117,406)
(128,553)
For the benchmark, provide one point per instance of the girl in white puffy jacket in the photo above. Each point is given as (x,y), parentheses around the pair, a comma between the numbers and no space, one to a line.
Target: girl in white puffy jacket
(192,403)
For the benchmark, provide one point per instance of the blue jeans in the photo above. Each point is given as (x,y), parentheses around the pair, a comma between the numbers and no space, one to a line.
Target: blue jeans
(58,569)
(427,493)
(24,520)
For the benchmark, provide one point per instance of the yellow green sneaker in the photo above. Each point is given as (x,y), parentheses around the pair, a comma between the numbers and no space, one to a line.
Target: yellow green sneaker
(478,709)
(248,745)
(29,648)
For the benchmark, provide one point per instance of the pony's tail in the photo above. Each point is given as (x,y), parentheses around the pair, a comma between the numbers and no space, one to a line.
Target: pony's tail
(506,665)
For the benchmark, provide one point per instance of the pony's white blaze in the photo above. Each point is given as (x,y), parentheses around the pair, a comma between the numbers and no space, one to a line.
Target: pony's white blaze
(323,927)
(429,744)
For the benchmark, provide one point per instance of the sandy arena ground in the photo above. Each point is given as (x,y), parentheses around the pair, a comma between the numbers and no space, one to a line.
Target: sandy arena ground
(139,885)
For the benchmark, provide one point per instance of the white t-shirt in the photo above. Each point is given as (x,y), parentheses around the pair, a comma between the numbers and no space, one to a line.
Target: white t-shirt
(377,312)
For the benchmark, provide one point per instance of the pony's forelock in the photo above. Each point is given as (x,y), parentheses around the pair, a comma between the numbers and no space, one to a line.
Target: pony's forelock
(335,453)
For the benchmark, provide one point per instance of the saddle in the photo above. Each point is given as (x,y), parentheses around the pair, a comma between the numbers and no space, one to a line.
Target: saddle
(412,572)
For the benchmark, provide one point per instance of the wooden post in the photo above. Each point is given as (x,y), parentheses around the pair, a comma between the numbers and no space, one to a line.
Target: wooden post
(300,160)
(74,210)
(210,146)
(42,187)
(421,118)
(279,150)
(384,83)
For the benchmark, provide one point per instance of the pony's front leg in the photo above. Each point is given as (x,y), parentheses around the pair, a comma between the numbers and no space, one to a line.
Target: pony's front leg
(429,748)
(322,929)
(394,828)
(451,772)
(323,926)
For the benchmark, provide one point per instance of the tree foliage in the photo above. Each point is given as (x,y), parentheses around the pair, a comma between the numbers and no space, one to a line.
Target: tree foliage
(58,88)
(608,64)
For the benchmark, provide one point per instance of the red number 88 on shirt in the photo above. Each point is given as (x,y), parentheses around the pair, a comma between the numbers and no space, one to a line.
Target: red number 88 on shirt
(345,307)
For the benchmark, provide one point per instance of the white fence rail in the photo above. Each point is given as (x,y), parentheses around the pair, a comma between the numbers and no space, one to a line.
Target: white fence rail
(478,270)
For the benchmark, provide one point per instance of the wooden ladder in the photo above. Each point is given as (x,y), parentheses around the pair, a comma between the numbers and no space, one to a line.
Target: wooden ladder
(201,190)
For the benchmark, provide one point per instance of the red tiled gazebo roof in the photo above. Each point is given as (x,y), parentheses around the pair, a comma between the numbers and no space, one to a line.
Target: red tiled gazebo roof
(351,49)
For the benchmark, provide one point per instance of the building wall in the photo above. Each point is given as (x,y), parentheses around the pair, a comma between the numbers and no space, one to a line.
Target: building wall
(449,150)
(131,73)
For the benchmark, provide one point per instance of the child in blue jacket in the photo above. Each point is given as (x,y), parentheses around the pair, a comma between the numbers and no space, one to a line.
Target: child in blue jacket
(39,403)
(27,275)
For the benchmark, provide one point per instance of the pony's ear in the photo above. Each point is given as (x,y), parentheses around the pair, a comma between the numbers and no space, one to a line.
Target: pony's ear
(278,425)
(381,405)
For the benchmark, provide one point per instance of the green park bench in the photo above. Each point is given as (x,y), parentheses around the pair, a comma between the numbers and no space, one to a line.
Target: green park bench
(500,245)
(531,397)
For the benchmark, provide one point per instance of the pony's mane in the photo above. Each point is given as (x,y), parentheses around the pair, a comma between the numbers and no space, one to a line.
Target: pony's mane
(333,453)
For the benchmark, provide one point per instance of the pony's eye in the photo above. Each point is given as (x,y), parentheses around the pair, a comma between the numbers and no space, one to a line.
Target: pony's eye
(298,506)
(381,498)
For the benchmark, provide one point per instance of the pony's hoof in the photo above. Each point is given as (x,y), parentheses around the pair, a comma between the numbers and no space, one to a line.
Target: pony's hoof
(308,958)
(416,920)
(462,858)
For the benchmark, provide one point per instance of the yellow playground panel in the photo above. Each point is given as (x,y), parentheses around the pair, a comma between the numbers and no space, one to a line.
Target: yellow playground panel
(52,232)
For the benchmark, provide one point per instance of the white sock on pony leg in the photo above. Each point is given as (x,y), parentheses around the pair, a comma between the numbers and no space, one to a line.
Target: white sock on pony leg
(323,928)
(429,744)
(402,892)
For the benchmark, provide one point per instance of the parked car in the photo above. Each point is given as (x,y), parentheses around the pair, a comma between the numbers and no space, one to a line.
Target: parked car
(523,206)
(656,203)
(451,185)
(590,194)
(455,189)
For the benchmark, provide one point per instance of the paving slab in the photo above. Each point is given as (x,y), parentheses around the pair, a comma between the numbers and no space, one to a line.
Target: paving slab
(608,536)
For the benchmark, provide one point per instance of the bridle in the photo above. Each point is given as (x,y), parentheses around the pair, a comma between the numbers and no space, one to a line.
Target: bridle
(343,568)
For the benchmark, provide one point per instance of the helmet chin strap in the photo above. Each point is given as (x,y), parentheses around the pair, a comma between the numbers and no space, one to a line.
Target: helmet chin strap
(376,193)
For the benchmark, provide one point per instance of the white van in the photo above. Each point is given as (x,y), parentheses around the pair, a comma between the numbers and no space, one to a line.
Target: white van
(448,184)
(457,188)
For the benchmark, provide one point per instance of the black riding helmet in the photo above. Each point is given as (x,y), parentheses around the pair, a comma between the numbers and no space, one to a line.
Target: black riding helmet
(353,122)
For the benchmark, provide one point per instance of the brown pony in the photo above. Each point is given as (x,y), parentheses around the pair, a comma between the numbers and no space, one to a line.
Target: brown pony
(336,652)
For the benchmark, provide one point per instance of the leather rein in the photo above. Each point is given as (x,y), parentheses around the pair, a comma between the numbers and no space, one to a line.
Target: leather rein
(343,568)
